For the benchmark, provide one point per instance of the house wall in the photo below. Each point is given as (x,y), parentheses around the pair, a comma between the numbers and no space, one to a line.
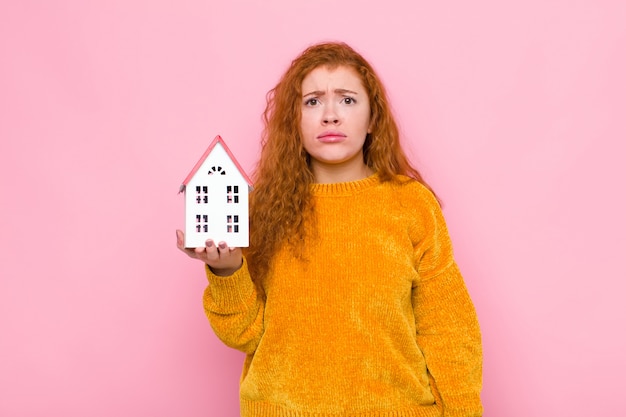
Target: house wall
(513,110)
(213,202)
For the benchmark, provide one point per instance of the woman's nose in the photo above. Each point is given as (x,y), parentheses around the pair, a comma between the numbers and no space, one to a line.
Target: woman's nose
(330,116)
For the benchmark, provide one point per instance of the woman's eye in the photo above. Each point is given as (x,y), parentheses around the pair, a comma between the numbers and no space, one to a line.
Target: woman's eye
(312,102)
(349,100)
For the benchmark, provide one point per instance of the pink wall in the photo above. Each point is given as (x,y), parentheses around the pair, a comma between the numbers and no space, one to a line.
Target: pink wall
(514,110)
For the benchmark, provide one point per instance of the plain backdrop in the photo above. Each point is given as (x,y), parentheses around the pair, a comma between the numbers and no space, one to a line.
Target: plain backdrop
(514,111)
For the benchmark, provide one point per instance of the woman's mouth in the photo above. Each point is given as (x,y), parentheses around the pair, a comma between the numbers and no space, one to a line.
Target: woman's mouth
(331,137)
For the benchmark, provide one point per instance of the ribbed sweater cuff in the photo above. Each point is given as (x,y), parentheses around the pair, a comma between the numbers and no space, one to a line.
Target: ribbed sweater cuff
(231,291)
(262,409)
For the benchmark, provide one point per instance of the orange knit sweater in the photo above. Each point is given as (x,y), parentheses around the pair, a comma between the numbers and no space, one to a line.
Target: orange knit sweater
(375,322)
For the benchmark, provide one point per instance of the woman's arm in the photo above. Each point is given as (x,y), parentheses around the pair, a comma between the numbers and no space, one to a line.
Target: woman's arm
(449,337)
(232,302)
(447,326)
(234,307)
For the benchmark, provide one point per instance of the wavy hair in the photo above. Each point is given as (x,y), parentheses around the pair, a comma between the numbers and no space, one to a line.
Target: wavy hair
(281,207)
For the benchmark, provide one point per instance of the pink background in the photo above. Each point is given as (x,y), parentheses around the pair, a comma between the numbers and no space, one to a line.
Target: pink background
(514,110)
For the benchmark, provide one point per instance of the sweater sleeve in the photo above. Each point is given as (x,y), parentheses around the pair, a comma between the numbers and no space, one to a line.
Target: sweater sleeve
(447,327)
(234,307)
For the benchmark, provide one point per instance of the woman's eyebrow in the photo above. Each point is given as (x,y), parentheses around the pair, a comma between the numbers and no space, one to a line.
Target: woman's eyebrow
(345,91)
(337,91)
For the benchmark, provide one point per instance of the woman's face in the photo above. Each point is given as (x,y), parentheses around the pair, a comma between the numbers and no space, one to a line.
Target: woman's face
(335,120)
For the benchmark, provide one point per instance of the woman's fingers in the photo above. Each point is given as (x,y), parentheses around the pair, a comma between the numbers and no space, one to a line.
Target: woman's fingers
(217,256)
(180,244)
(180,239)
(209,252)
(228,262)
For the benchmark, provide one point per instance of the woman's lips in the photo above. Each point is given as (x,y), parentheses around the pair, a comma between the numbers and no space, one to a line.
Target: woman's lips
(331,137)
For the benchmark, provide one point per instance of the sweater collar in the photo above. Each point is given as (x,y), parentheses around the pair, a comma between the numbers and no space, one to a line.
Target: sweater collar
(344,188)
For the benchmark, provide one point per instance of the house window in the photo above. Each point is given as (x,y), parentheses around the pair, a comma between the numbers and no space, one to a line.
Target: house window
(217,170)
(232,194)
(202,194)
(232,224)
(202,223)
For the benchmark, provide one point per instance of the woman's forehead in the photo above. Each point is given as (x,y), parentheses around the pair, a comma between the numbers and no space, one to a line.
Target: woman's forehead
(331,78)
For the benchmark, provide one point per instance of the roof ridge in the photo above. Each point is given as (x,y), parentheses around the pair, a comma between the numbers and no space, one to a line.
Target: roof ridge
(216,140)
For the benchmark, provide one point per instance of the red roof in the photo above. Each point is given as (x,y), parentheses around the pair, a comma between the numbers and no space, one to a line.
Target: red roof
(218,139)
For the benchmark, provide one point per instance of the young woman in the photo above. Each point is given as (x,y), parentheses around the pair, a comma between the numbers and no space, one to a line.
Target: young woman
(348,301)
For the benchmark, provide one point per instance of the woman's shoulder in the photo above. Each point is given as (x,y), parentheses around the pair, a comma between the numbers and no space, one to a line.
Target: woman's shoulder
(416,204)
(409,189)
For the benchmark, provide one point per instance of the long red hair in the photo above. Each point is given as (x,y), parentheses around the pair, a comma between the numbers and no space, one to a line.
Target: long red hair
(281,208)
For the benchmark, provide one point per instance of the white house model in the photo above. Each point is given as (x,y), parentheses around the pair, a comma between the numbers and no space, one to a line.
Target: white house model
(216,199)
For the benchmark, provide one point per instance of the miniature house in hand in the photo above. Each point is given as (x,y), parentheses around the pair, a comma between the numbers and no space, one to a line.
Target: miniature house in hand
(216,199)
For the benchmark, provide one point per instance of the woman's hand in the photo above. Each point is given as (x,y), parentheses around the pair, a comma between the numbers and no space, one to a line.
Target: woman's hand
(222,260)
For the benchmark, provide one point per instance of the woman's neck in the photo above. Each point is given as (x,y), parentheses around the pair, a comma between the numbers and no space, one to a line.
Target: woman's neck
(335,173)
